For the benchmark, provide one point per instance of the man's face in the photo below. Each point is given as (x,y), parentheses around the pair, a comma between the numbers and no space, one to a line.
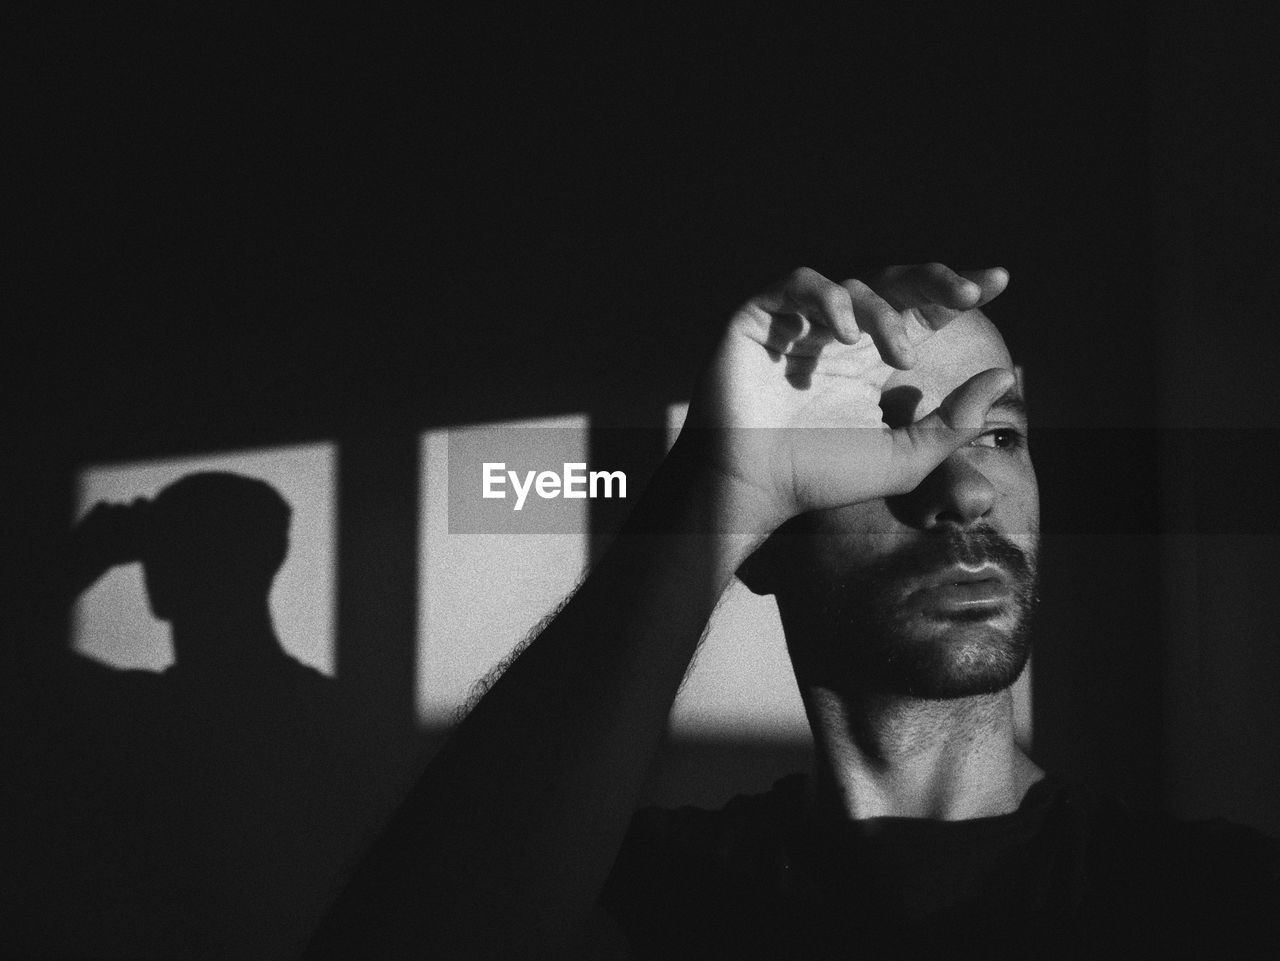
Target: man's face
(927,594)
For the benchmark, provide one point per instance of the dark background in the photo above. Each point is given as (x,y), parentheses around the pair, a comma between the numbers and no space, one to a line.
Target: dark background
(280,223)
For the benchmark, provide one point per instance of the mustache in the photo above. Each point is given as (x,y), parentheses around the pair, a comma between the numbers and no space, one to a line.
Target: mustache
(971,548)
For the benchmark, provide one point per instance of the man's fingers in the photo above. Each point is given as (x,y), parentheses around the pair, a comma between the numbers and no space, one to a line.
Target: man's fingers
(992,281)
(811,296)
(934,294)
(919,285)
(939,292)
(922,446)
(847,310)
(965,408)
(884,324)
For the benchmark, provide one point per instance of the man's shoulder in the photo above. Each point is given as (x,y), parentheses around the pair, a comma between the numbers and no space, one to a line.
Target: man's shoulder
(1069,859)
(1199,887)
(1105,825)
(1114,819)
(1203,855)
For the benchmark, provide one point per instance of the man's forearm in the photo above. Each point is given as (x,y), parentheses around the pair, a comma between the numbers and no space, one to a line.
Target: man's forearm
(515,825)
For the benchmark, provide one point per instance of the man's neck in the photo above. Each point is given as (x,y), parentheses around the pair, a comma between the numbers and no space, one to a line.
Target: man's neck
(899,757)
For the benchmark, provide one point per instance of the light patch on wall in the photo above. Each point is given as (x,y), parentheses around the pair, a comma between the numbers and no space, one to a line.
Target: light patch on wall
(741,684)
(480,594)
(112,622)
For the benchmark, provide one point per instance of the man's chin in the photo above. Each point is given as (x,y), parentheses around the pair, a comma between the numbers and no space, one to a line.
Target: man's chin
(947,685)
(967,656)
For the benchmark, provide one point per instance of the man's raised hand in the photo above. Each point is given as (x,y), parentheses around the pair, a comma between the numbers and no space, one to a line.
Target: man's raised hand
(789,408)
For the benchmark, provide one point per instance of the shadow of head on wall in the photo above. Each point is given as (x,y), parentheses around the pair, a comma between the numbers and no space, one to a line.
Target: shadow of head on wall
(211,546)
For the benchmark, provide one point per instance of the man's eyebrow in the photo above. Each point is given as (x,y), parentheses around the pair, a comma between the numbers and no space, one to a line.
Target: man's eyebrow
(1011,403)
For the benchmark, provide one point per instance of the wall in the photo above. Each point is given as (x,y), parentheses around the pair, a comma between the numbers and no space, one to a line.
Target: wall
(272,228)
(1214,151)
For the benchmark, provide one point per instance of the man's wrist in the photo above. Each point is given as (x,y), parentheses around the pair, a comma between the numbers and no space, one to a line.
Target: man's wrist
(691,496)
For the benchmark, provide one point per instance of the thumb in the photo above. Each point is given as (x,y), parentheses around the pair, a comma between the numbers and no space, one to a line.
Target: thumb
(965,408)
(960,417)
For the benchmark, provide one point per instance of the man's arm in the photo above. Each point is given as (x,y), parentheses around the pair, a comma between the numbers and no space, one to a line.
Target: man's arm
(505,843)
(511,832)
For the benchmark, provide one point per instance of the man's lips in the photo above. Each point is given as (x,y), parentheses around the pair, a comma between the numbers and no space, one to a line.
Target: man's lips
(958,588)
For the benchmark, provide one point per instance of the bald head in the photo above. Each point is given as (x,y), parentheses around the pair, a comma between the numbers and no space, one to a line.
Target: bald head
(968,345)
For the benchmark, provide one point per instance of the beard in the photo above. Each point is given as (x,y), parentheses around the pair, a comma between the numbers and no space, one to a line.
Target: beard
(873,641)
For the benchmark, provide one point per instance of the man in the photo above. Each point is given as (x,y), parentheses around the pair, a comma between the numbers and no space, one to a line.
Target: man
(872,437)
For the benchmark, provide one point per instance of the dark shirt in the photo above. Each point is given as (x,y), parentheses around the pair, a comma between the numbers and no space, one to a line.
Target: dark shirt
(1068,874)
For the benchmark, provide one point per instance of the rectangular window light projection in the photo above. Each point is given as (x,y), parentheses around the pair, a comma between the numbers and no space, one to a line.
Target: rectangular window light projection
(482,593)
(740,685)
(112,622)
(488,575)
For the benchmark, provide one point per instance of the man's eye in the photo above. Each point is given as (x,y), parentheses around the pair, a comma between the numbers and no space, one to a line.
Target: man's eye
(1003,438)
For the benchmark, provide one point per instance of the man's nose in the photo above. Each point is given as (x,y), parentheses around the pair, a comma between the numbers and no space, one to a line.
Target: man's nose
(956,493)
